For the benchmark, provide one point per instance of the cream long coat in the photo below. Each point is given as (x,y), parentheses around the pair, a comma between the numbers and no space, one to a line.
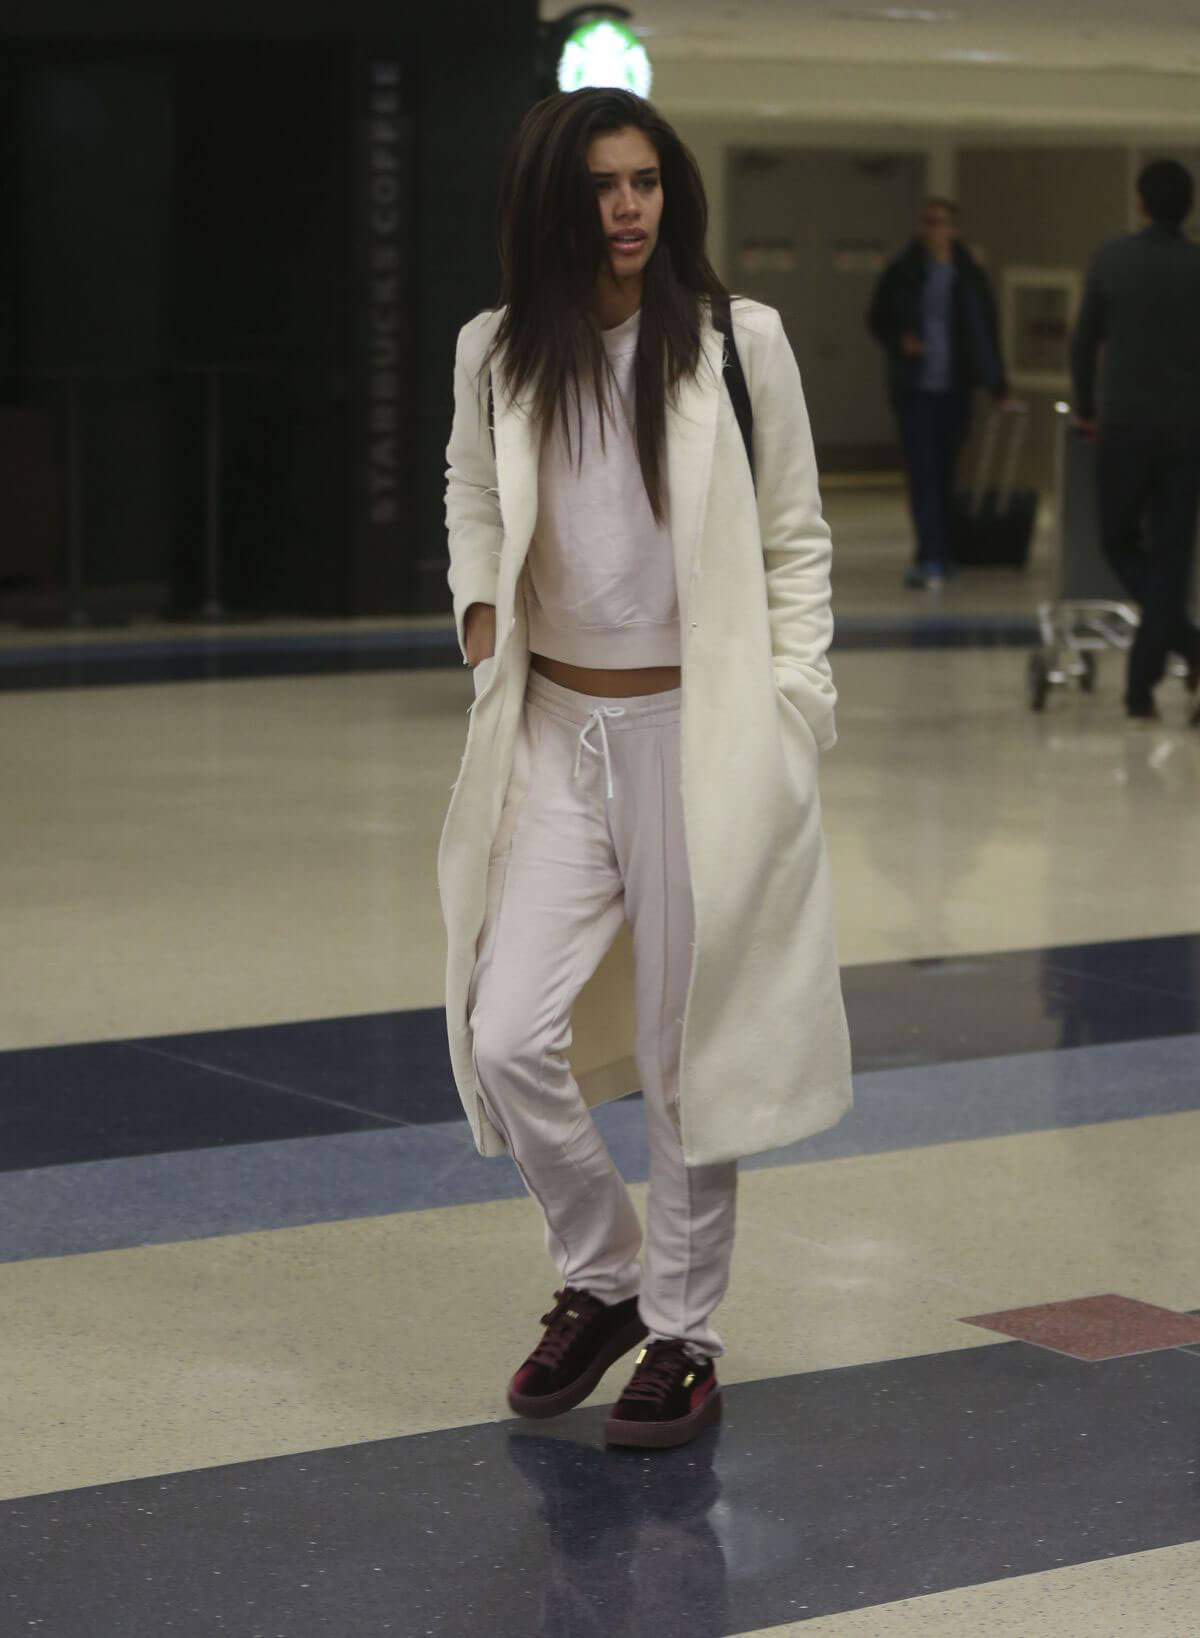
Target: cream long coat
(765,1058)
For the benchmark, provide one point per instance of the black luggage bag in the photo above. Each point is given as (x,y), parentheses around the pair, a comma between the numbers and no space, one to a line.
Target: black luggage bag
(993,527)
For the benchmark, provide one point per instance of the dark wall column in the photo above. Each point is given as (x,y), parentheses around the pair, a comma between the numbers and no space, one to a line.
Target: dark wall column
(93,207)
(263,230)
(333,168)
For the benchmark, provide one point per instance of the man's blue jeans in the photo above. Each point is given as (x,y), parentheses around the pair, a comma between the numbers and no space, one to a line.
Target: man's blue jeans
(933,429)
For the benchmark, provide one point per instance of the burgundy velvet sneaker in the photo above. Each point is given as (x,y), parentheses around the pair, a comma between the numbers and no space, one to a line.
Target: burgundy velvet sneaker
(583,1338)
(668,1400)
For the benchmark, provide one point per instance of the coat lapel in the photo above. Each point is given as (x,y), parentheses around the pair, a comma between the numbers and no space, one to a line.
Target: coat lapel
(691,435)
(516,479)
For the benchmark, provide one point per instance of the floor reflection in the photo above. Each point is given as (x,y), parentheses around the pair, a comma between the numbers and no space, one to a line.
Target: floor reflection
(630,1542)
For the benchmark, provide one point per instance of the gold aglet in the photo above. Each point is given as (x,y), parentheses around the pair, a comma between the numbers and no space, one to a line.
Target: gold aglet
(571,1314)
(640,1357)
(689,1379)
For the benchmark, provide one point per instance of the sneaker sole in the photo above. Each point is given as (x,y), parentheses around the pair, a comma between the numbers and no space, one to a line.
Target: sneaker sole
(662,1435)
(537,1406)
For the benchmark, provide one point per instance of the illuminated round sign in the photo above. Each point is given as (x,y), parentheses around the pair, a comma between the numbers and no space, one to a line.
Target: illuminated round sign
(604,53)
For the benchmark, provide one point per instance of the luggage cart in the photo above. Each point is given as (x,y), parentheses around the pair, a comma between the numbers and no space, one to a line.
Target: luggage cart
(1090,612)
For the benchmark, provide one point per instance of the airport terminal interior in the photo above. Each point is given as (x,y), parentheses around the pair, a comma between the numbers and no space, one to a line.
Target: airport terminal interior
(261,1297)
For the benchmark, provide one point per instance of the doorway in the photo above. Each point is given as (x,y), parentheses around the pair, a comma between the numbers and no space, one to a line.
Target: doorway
(810,232)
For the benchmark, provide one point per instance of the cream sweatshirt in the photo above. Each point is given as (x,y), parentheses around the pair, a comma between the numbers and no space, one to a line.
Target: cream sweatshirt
(601,572)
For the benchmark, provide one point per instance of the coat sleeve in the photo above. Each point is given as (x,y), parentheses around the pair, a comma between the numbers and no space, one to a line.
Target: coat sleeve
(797,551)
(882,319)
(473,523)
(997,383)
(1085,344)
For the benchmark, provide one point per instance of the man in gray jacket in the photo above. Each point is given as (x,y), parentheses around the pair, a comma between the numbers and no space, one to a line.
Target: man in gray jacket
(1142,305)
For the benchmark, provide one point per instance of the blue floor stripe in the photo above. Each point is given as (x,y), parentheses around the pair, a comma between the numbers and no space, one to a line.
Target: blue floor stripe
(822,1492)
(102,1205)
(108,664)
(421,640)
(107,1100)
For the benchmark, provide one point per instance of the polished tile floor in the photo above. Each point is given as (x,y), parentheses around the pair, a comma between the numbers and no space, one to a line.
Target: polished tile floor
(260,1296)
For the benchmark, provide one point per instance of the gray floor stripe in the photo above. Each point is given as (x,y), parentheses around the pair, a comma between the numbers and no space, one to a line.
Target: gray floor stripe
(100,1205)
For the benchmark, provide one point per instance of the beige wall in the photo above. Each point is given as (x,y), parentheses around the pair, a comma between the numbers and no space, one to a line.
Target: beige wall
(1044,207)
(717,104)
(1035,196)
(832,214)
(712,139)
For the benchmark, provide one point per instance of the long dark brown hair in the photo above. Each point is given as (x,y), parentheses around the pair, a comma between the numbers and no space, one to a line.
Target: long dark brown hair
(552,248)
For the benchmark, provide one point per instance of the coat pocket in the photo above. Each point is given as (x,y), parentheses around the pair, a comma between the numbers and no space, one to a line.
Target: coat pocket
(796,717)
(809,697)
(482,677)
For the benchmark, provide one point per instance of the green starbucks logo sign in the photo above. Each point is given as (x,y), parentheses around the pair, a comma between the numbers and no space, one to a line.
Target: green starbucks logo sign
(604,52)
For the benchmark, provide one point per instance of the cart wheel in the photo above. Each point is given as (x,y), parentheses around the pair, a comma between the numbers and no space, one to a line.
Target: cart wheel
(1038,677)
(1087,677)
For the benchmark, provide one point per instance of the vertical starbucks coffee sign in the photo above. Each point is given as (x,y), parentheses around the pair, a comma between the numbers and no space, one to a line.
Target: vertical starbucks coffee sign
(381,307)
(385,184)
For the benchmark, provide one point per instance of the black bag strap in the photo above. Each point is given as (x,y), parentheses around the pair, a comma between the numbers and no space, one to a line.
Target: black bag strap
(731,370)
(735,376)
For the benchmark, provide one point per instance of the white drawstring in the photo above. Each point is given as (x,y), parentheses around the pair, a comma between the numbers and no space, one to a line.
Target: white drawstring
(596,720)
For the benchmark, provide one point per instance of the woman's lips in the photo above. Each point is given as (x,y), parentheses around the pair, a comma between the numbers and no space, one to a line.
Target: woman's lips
(627,243)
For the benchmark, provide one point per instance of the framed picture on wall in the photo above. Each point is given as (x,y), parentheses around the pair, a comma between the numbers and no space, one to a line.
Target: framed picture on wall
(1038,315)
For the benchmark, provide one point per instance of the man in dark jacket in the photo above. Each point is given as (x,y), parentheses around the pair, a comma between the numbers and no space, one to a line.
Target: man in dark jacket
(1142,304)
(934,315)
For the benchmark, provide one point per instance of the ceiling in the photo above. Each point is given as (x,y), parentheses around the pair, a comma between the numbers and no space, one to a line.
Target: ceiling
(1157,35)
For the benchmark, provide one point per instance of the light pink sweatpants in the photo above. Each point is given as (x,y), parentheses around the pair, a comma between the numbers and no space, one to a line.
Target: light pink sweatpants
(591,835)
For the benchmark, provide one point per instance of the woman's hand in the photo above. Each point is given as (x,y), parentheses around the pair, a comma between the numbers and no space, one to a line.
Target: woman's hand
(479,633)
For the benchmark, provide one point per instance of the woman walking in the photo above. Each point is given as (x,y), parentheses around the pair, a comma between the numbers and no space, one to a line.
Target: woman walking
(632,869)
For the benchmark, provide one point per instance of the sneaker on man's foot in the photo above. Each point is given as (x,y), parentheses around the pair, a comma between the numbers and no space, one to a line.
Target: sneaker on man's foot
(583,1338)
(668,1400)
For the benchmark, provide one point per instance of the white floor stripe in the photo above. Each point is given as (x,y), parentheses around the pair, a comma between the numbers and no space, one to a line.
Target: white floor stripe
(234,854)
(128,1363)
(1153,1595)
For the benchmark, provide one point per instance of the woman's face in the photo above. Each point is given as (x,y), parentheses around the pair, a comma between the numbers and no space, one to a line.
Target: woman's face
(625,172)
